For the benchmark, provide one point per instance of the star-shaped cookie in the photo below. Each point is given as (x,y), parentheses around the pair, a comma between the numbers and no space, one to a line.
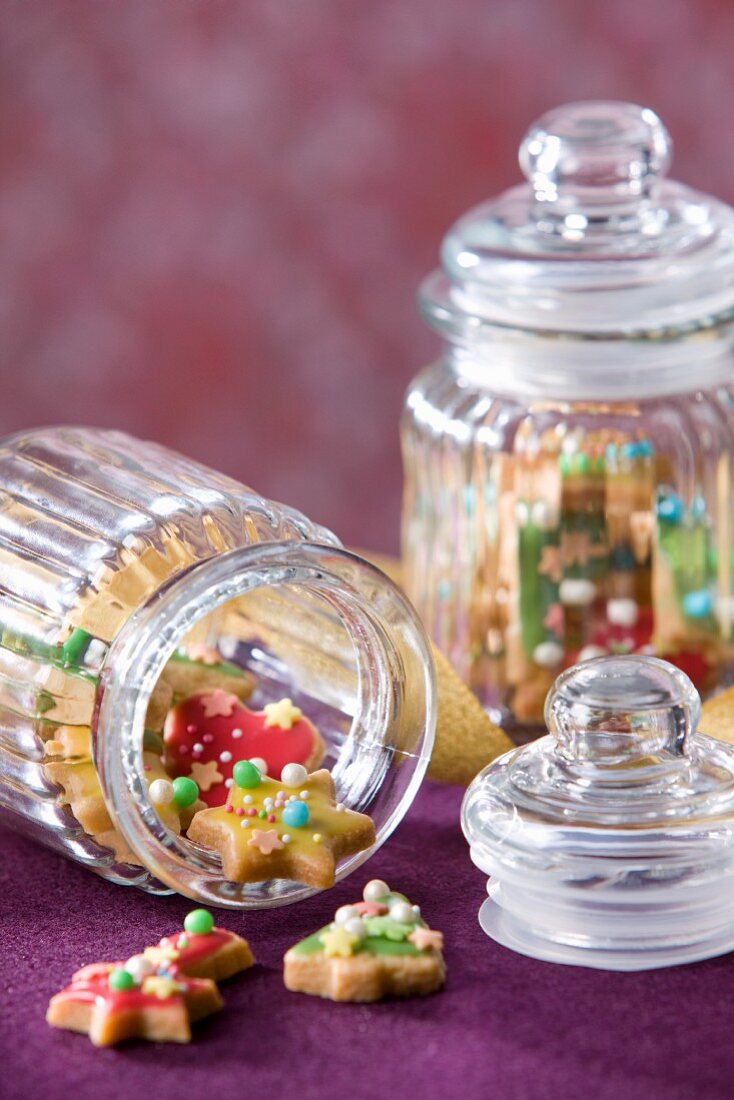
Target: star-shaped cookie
(311,832)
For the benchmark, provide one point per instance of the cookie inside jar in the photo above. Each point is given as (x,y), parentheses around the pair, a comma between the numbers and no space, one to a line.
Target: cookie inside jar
(264,748)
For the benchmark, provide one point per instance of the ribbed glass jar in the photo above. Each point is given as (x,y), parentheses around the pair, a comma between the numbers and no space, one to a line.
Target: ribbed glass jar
(113,552)
(568,460)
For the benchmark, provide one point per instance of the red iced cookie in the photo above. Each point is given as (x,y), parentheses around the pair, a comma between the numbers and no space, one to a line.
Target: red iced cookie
(206,734)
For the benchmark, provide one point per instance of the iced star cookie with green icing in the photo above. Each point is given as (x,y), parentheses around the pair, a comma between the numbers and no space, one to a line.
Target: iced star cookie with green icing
(378,947)
(292,828)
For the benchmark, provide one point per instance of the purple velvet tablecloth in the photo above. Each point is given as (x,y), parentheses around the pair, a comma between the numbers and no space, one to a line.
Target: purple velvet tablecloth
(505,1026)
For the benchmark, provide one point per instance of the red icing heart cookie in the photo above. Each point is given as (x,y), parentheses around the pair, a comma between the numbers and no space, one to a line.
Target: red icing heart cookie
(206,734)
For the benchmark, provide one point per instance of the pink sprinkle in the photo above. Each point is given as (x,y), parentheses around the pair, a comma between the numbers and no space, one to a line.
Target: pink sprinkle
(192,728)
(228,809)
(251,812)
(240,812)
(183,749)
(208,738)
(271,818)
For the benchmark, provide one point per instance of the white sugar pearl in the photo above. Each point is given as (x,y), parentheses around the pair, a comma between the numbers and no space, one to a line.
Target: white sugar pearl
(236,734)
(375,889)
(548,654)
(245,823)
(198,747)
(286,838)
(305,795)
(622,612)
(247,800)
(355,927)
(225,756)
(345,913)
(589,652)
(576,592)
(340,807)
(139,967)
(293,775)
(260,764)
(161,792)
(544,515)
(402,912)
(229,783)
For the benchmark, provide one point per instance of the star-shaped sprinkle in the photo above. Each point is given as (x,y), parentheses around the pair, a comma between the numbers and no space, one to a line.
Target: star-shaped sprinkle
(284,714)
(338,942)
(218,702)
(302,858)
(265,840)
(206,775)
(426,939)
(205,654)
(159,956)
(158,986)
(370,908)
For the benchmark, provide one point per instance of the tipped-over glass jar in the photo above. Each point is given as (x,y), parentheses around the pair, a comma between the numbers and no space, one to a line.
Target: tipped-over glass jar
(610,842)
(568,461)
(115,554)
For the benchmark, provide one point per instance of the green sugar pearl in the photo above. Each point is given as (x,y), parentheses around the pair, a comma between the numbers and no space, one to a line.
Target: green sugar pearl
(185,792)
(246,774)
(121,980)
(199,922)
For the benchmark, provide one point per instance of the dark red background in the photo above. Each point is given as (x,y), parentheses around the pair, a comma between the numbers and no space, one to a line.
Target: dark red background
(214,215)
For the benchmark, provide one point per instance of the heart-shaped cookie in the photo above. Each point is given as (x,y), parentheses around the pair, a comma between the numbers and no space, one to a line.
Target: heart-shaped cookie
(206,734)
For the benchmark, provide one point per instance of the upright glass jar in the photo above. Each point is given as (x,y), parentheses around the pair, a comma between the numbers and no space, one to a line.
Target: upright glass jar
(113,552)
(568,460)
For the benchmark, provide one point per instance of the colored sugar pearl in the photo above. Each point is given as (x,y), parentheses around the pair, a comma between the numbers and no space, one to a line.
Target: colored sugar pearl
(698,605)
(120,980)
(199,922)
(296,815)
(239,811)
(191,729)
(251,812)
(185,791)
(293,775)
(228,809)
(246,774)
(263,813)
(271,818)
(161,792)
(208,738)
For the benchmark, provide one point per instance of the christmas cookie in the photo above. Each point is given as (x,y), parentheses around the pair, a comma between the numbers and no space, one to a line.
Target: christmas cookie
(378,947)
(290,829)
(199,667)
(156,995)
(207,733)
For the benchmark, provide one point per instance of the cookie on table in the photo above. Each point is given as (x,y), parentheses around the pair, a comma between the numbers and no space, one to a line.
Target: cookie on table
(292,828)
(378,947)
(156,995)
(206,734)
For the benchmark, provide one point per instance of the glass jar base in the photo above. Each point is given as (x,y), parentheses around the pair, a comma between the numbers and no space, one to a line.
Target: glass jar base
(507,931)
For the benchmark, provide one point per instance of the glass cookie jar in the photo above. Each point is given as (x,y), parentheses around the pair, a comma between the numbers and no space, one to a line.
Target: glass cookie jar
(114,553)
(568,460)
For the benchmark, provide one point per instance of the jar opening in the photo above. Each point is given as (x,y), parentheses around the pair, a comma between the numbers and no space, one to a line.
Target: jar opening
(309,622)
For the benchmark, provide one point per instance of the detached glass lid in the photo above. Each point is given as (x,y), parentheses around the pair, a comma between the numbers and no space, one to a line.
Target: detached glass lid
(610,842)
(596,240)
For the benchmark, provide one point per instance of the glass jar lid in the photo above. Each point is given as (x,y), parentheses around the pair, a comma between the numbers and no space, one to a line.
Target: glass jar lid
(596,241)
(610,841)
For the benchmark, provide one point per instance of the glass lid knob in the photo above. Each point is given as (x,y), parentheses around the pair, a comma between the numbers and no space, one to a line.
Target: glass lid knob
(597,153)
(616,711)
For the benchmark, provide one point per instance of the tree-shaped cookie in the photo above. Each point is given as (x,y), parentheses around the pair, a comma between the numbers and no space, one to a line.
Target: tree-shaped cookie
(378,947)
(206,734)
(290,829)
(156,995)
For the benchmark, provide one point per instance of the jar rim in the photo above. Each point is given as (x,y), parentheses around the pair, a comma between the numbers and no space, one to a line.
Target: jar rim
(391,650)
